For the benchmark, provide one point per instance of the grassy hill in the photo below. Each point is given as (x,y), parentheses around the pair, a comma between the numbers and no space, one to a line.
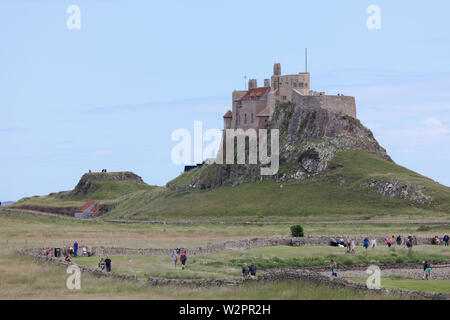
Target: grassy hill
(338,191)
(321,195)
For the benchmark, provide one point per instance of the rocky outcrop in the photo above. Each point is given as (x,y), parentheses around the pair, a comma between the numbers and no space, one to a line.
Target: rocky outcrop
(310,137)
(87,181)
(397,189)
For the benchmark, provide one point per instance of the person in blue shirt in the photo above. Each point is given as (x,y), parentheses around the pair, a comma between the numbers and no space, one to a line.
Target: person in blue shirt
(366,243)
(75,249)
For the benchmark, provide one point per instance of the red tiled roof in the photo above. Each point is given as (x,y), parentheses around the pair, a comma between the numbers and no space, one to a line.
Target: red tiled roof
(229,114)
(255,92)
(86,205)
(96,209)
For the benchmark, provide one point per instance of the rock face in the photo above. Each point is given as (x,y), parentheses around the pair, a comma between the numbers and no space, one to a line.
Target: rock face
(310,137)
(397,189)
(87,181)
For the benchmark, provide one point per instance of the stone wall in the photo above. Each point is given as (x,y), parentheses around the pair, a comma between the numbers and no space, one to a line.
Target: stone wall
(267,276)
(338,104)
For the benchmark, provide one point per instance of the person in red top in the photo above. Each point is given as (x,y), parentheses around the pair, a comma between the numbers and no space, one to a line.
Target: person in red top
(68,259)
(183,259)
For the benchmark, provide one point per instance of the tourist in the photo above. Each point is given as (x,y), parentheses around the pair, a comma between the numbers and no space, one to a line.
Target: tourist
(446,238)
(75,249)
(101,265)
(68,259)
(174,258)
(399,240)
(108,264)
(352,245)
(436,240)
(409,244)
(426,271)
(333,268)
(183,259)
(85,251)
(393,240)
(48,252)
(373,243)
(366,243)
(245,271)
(253,271)
(388,242)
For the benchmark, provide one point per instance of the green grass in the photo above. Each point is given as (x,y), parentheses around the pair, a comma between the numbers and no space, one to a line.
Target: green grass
(314,196)
(21,278)
(227,264)
(318,196)
(393,282)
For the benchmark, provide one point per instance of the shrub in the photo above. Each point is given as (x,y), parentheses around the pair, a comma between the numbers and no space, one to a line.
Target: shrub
(297,231)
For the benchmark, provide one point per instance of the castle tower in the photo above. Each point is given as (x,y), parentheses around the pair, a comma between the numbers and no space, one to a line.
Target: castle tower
(252,83)
(266,82)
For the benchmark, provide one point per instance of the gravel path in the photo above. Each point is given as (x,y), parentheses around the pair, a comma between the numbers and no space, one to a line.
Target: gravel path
(439,271)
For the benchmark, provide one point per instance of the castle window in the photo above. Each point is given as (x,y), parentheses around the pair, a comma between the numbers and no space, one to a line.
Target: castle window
(284,97)
(245,118)
(295,85)
(252,117)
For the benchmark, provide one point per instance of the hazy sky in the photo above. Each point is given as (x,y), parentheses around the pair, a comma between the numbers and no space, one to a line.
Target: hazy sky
(110,94)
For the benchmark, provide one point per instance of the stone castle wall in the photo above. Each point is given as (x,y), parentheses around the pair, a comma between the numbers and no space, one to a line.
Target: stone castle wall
(338,104)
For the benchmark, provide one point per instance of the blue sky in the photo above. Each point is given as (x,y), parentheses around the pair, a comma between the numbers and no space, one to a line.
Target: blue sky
(110,94)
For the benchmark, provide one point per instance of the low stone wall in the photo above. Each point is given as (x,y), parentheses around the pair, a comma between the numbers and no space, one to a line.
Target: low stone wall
(325,240)
(242,244)
(202,250)
(312,276)
(266,276)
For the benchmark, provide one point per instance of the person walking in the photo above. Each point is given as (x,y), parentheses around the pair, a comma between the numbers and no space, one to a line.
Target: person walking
(108,264)
(388,242)
(253,271)
(446,238)
(75,249)
(333,268)
(245,271)
(426,270)
(174,259)
(399,240)
(101,264)
(183,259)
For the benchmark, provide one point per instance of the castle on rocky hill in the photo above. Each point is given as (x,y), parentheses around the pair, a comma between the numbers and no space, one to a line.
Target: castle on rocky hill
(254,108)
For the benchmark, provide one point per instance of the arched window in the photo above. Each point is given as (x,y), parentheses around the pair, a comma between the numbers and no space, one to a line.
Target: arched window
(245,118)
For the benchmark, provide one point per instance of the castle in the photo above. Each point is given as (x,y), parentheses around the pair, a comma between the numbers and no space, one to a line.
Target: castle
(254,108)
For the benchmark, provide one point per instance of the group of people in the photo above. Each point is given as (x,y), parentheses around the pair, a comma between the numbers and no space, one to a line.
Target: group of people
(105,264)
(183,258)
(438,241)
(249,271)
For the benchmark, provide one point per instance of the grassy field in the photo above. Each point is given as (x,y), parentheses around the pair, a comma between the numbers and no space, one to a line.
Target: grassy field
(405,283)
(21,278)
(228,264)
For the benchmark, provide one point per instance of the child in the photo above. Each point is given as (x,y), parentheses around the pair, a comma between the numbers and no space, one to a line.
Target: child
(101,264)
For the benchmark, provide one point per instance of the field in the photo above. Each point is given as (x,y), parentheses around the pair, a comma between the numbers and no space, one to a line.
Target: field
(21,277)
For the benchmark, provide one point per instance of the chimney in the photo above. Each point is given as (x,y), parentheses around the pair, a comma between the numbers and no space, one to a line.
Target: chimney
(277,69)
(266,82)
(252,83)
